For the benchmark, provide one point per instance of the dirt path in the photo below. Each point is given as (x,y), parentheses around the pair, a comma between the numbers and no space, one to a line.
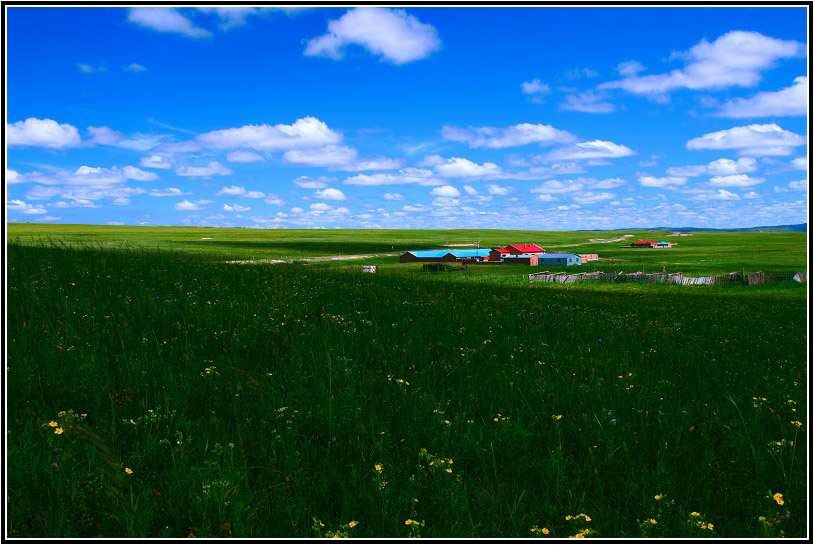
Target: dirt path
(317,258)
(591,241)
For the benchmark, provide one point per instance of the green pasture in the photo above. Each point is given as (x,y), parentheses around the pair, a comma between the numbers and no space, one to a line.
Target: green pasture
(157,392)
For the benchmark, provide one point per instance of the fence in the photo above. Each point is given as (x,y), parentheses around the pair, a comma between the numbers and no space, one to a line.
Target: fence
(757,278)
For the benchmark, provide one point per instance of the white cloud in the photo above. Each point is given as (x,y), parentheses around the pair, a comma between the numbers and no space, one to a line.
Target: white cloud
(407,175)
(89,69)
(134,67)
(50,218)
(232,190)
(719,195)
(666,183)
(394,196)
(629,68)
(213,168)
(800,163)
(720,167)
(330,194)
(470,190)
(307,132)
(455,167)
(515,135)
(588,102)
(254,194)
(735,58)
(12,176)
(735,180)
(321,206)
(243,157)
(445,201)
(790,101)
(545,197)
(535,87)
(391,33)
(590,197)
(307,182)
(236,208)
(800,185)
(187,205)
(751,195)
(750,140)
(166,192)
(45,133)
(155,161)
(380,163)
(133,173)
(166,20)
(596,149)
(446,191)
(274,199)
(556,186)
(495,189)
(579,73)
(322,157)
(25,208)
(121,201)
(109,137)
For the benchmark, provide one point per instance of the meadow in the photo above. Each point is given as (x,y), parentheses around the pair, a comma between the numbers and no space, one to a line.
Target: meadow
(153,391)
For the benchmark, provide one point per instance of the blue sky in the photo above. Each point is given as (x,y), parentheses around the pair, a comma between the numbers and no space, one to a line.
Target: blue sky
(509,118)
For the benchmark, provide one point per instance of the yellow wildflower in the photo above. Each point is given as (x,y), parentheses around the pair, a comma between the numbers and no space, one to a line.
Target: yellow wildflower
(378,467)
(778,498)
(128,471)
(545,531)
(657,496)
(653,521)
(448,470)
(53,424)
(695,514)
(762,519)
(58,431)
(352,523)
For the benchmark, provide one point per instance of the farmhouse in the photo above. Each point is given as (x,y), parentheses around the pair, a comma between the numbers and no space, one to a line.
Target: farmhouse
(515,249)
(433,256)
(584,258)
(558,259)
(520,259)
(643,244)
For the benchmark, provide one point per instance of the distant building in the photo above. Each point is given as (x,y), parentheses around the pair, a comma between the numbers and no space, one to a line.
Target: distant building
(434,256)
(515,249)
(521,259)
(663,244)
(643,244)
(558,259)
(584,258)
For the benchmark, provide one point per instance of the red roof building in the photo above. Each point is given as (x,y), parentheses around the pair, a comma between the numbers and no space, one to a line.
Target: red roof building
(643,243)
(524,249)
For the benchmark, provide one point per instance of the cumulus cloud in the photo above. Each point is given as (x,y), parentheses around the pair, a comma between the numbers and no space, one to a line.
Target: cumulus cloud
(155,161)
(188,205)
(134,67)
(556,186)
(750,140)
(800,185)
(446,191)
(394,196)
(800,163)
(470,190)
(629,68)
(166,192)
(307,132)
(321,206)
(274,199)
(590,197)
(458,167)
(588,102)
(12,176)
(213,168)
(166,20)
(789,101)
(596,149)
(735,180)
(407,175)
(495,189)
(392,34)
(89,69)
(516,135)
(243,157)
(721,167)
(45,133)
(109,137)
(669,182)
(736,58)
(307,182)
(719,195)
(330,194)
(322,157)
(25,208)
(236,208)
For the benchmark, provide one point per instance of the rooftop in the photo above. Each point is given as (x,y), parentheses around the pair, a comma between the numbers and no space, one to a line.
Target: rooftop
(478,252)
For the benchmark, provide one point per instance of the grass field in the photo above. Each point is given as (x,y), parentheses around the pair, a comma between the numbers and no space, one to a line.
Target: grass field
(170,394)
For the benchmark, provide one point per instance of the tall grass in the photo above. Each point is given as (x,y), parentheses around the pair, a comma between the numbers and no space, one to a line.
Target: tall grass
(194,397)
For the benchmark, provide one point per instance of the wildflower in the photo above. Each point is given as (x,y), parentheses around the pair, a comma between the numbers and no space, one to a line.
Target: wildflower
(378,467)
(695,514)
(128,471)
(710,526)
(58,431)
(352,523)
(797,423)
(556,416)
(408,522)
(657,496)
(653,521)
(778,498)
(568,517)
(448,470)
(545,531)
(762,518)
(53,424)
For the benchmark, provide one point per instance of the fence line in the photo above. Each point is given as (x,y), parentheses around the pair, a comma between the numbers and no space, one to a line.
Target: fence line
(757,278)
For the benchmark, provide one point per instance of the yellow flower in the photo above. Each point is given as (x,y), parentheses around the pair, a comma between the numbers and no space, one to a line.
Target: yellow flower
(653,521)
(352,523)
(378,467)
(657,496)
(58,431)
(448,470)
(587,518)
(545,531)
(710,526)
(408,522)
(762,519)
(778,498)
(128,471)
(556,416)
(695,514)
(568,517)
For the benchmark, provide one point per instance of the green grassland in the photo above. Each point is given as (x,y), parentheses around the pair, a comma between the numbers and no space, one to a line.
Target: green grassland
(154,391)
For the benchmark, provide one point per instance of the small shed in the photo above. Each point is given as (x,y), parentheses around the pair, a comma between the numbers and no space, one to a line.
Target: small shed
(584,258)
